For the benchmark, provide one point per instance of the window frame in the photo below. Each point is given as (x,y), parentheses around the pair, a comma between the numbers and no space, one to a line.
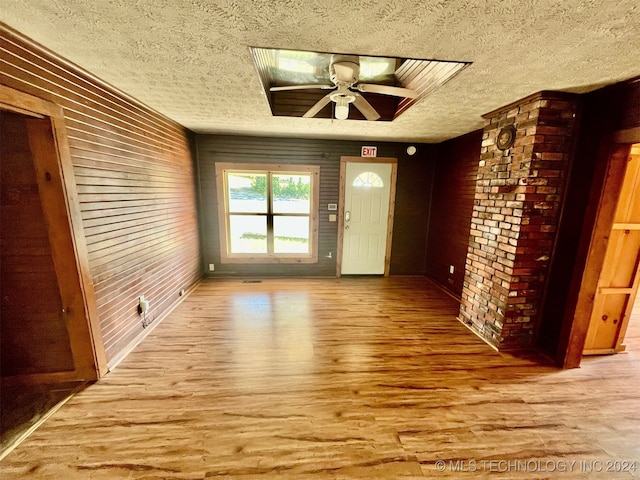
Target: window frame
(267,168)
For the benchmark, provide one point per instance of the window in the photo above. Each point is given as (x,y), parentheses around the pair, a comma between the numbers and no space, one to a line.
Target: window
(368,179)
(267,213)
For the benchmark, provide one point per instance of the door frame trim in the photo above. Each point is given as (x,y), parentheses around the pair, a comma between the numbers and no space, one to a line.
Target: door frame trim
(392,203)
(572,341)
(56,181)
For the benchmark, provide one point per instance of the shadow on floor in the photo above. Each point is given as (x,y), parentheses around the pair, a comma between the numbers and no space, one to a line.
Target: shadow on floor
(24,407)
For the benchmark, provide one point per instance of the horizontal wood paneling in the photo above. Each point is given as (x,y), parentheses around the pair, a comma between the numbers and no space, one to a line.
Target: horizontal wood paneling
(33,329)
(412,199)
(452,204)
(136,187)
(412,211)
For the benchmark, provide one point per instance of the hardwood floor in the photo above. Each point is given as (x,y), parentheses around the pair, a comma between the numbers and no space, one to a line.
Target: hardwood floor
(347,378)
(24,407)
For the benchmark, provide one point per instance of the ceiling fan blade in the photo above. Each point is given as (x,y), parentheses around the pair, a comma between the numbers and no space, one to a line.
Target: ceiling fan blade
(365,107)
(387,90)
(301,87)
(313,111)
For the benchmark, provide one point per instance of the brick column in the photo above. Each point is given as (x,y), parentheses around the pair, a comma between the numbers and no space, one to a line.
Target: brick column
(515,215)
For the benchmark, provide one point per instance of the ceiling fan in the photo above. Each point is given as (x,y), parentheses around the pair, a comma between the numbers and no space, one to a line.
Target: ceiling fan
(344,71)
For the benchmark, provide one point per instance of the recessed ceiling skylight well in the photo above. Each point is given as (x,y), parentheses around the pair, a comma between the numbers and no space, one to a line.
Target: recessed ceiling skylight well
(307,84)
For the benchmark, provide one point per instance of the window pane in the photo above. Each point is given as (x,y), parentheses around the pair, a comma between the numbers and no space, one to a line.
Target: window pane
(291,234)
(248,233)
(291,193)
(247,192)
(368,179)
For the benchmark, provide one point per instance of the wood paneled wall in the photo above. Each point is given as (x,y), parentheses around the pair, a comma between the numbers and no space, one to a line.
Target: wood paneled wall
(618,105)
(453,195)
(33,331)
(629,104)
(412,198)
(604,112)
(136,186)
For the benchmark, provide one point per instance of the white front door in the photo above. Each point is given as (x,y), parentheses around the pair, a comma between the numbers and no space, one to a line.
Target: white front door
(365,217)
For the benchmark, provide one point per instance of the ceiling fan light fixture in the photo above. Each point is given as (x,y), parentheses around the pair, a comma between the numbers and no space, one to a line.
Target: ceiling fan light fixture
(362,79)
(342,108)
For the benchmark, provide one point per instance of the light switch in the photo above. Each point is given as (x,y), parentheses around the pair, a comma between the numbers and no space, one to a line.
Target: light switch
(332,217)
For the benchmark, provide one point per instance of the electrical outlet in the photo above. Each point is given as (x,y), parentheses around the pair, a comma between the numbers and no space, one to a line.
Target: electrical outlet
(212,267)
(143,305)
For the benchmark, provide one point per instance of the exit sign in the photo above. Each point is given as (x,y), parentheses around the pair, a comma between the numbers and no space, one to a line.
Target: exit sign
(369,152)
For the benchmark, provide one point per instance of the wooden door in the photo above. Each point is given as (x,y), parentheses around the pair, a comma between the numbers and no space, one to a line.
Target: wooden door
(33,324)
(620,275)
(367,192)
(50,329)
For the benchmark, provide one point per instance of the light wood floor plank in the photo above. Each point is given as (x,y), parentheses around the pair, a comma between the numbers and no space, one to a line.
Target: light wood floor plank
(347,378)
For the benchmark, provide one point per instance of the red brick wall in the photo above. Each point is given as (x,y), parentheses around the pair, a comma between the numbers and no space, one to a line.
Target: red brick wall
(515,216)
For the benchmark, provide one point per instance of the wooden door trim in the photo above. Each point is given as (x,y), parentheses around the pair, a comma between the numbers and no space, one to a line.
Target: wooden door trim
(54,168)
(620,146)
(392,204)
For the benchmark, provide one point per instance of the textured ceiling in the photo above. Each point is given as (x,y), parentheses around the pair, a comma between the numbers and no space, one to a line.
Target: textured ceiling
(190,60)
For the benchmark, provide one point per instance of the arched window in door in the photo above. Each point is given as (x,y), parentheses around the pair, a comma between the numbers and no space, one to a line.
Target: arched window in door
(369,180)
